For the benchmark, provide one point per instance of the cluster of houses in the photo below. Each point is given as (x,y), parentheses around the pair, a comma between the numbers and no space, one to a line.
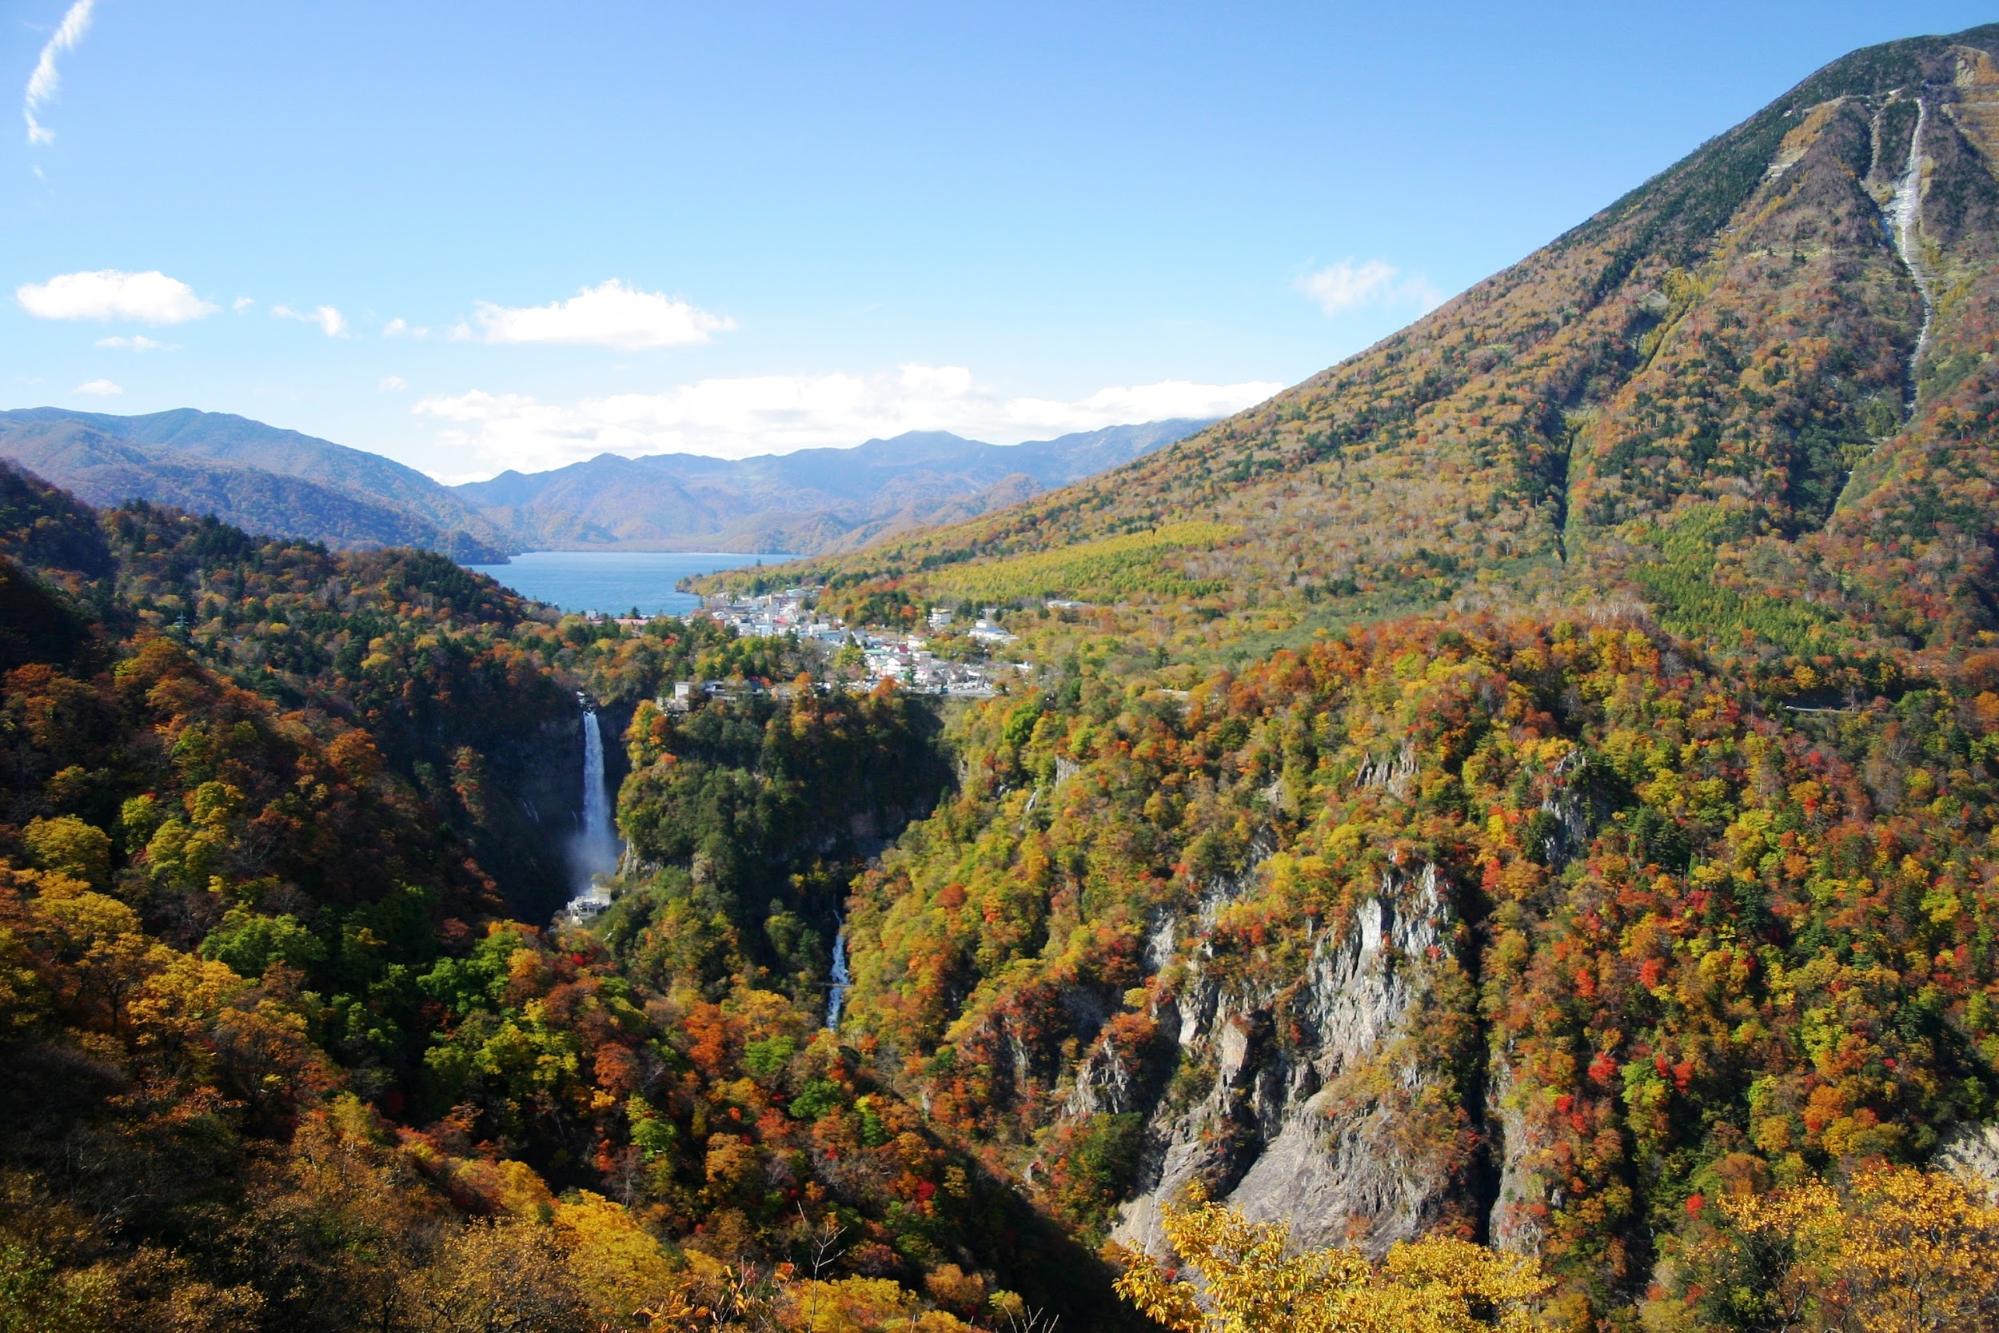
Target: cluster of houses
(906,659)
(986,629)
(775,614)
(909,662)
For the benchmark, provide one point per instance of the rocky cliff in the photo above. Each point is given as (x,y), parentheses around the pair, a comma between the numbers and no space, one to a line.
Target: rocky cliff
(1305,1115)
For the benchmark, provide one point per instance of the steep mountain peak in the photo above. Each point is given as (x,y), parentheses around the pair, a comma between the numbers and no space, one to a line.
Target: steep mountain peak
(1750,362)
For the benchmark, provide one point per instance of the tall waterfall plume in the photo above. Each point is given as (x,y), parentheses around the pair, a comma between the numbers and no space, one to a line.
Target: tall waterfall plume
(594,851)
(836,992)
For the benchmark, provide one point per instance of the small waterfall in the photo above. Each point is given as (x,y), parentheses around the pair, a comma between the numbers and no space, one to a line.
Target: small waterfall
(1904,216)
(836,997)
(595,850)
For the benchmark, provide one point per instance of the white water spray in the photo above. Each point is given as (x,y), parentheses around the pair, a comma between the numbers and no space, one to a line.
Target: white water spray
(836,996)
(595,851)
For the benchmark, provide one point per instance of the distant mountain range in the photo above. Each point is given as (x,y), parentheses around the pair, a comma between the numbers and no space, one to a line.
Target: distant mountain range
(257,477)
(815,500)
(268,480)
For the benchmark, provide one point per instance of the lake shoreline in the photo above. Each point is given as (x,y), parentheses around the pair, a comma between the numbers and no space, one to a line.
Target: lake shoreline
(617,582)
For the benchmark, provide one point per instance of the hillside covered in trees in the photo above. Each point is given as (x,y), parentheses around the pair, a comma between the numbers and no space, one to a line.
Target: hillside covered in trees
(1754,395)
(1509,838)
(1532,781)
(288,1045)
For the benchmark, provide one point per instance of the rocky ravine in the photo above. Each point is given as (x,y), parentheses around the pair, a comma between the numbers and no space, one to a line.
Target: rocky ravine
(1313,1130)
(1327,1109)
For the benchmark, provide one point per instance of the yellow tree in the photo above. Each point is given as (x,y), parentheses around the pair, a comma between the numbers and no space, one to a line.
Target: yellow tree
(1250,1279)
(1897,1249)
(100,948)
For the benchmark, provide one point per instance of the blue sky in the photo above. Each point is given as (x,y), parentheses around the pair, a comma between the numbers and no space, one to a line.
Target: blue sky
(748,228)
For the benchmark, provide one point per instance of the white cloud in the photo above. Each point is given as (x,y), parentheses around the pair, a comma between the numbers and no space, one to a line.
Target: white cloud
(1348,285)
(44,82)
(331,322)
(100,388)
(391,383)
(243,304)
(402,328)
(607,315)
(736,418)
(138,342)
(150,298)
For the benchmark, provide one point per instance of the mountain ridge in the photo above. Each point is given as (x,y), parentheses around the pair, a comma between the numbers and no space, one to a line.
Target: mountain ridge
(1725,350)
(807,500)
(1476,789)
(283,482)
(259,477)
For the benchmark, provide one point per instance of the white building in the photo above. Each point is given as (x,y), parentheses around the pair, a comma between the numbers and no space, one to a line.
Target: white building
(985,631)
(587,906)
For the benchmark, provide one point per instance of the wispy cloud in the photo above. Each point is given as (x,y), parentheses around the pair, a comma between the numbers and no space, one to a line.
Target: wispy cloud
(100,389)
(402,328)
(150,298)
(392,383)
(738,417)
(1355,284)
(331,322)
(45,80)
(610,314)
(138,342)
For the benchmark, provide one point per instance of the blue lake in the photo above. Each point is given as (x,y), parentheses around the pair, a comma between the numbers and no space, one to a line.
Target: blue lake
(614,582)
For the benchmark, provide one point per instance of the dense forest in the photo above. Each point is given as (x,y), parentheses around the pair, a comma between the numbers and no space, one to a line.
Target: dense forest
(1531,782)
(285,1053)
(1645,964)
(1543,935)
(1505,835)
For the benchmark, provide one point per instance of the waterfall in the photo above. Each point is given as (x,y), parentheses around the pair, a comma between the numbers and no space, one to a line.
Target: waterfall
(836,998)
(595,850)
(1904,215)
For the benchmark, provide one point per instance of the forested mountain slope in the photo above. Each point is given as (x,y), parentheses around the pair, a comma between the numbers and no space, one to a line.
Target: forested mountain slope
(1539,933)
(1535,780)
(288,1046)
(1610,887)
(1779,351)
(247,474)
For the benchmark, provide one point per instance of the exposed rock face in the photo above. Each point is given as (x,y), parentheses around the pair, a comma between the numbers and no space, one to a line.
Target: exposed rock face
(1971,1153)
(1105,1085)
(1311,1104)
(1303,1130)
(1395,774)
(1515,1224)
(1571,819)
